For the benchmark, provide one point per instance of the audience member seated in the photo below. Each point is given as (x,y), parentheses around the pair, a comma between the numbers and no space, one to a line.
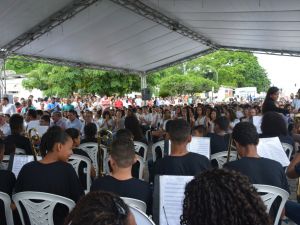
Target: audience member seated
(7,183)
(273,125)
(121,182)
(90,132)
(259,170)
(73,121)
(45,120)
(75,135)
(16,123)
(100,208)
(4,126)
(58,120)
(52,174)
(222,197)
(219,140)
(132,124)
(31,119)
(180,161)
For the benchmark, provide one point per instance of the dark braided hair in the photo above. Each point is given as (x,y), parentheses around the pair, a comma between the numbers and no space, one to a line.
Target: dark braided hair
(99,208)
(222,197)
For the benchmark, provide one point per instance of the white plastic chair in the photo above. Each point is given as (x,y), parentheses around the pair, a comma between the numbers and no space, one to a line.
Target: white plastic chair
(20,151)
(91,149)
(40,213)
(138,146)
(140,217)
(5,162)
(269,194)
(158,145)
(135,203)
(75,161)
(141,168)
(8,213)
(288,149)
(221,157)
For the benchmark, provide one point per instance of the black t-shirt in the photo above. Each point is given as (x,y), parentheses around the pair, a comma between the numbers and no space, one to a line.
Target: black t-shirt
(190,164)
(20,142)
(88,140)
(261,171)
(57,178)
(7,183)
(218,143)
(131,188)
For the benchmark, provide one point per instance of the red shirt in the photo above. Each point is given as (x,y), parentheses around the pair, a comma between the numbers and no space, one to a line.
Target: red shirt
(118,104)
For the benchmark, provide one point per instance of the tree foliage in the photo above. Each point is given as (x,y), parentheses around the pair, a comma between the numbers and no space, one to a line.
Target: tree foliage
(228,68)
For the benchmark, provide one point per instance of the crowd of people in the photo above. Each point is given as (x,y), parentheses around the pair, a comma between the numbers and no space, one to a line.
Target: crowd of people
(214,196)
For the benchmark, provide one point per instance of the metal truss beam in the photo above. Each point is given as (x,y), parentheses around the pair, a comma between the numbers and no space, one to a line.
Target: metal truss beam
(263,51)
(47,25)
(158,17)
(61,62)
(188,58)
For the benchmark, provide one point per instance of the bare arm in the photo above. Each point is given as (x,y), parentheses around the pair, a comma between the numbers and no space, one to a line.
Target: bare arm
(291,172)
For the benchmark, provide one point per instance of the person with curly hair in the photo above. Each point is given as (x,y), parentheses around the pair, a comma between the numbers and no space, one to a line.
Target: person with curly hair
(100,208)
(222,197)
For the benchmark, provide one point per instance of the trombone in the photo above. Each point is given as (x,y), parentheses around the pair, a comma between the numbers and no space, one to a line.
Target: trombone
(34,138)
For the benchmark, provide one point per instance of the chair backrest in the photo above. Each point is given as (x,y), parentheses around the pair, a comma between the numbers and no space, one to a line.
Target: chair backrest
(221,157)
(20,151)
(135,203)
(75,161)
(140,217)
(141,167)
(39,213)
(158,145)
(140,145)
(8,213)
(91,149)
(269,194)
(288,149)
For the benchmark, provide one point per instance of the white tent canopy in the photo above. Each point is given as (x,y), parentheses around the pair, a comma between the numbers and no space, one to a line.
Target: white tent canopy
(143,36)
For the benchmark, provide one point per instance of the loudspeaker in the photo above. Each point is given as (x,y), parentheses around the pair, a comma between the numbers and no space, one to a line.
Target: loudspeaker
(146,95)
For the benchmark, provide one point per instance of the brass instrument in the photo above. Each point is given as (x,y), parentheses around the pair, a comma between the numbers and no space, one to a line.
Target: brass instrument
(34,138)
(100,154)
(104,139)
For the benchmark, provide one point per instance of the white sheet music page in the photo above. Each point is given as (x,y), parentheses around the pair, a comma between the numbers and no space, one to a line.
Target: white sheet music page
(200,145)
(257,123)
(271,148)
(171,193)
(19,162)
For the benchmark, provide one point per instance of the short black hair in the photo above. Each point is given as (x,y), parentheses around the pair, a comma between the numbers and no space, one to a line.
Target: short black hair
(90,130)
(123,152)
(245,133)
(222,122)
(200,128)
(72,132)
(179,130)
(32,113)
(5,98)
(39,112)
(124,133)
(16,123)
(46,118)
(73,112)
(273,125)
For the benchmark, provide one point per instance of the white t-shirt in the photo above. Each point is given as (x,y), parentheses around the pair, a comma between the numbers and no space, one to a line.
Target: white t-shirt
(5,128)
(9,109)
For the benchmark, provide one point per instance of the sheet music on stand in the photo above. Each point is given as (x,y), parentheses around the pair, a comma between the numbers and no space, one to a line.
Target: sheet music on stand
(19,161)
(171,195)
(200,145)
(257,123)
(271,148)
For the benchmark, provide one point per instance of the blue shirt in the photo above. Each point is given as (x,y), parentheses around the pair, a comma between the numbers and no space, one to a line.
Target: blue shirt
(55,106)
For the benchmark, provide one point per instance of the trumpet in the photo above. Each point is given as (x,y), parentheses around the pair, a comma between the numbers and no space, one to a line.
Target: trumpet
(34,138)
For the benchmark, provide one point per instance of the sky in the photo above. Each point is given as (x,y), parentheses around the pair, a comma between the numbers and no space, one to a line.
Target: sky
(283,71)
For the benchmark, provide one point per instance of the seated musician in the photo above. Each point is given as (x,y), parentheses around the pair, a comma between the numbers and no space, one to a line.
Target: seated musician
(52,174)
(219,140)
(16,122)
(7,183)
(90,132)
(121,181)
(220,197)
(180,162)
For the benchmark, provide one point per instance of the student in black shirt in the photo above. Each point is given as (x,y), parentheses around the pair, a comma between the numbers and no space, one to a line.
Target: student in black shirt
(258,170)
(219,140)
(90,131)
(75,135)
(7,183)
(16,122)
(52,174)
(269,103)
(121,182)
(180,161)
